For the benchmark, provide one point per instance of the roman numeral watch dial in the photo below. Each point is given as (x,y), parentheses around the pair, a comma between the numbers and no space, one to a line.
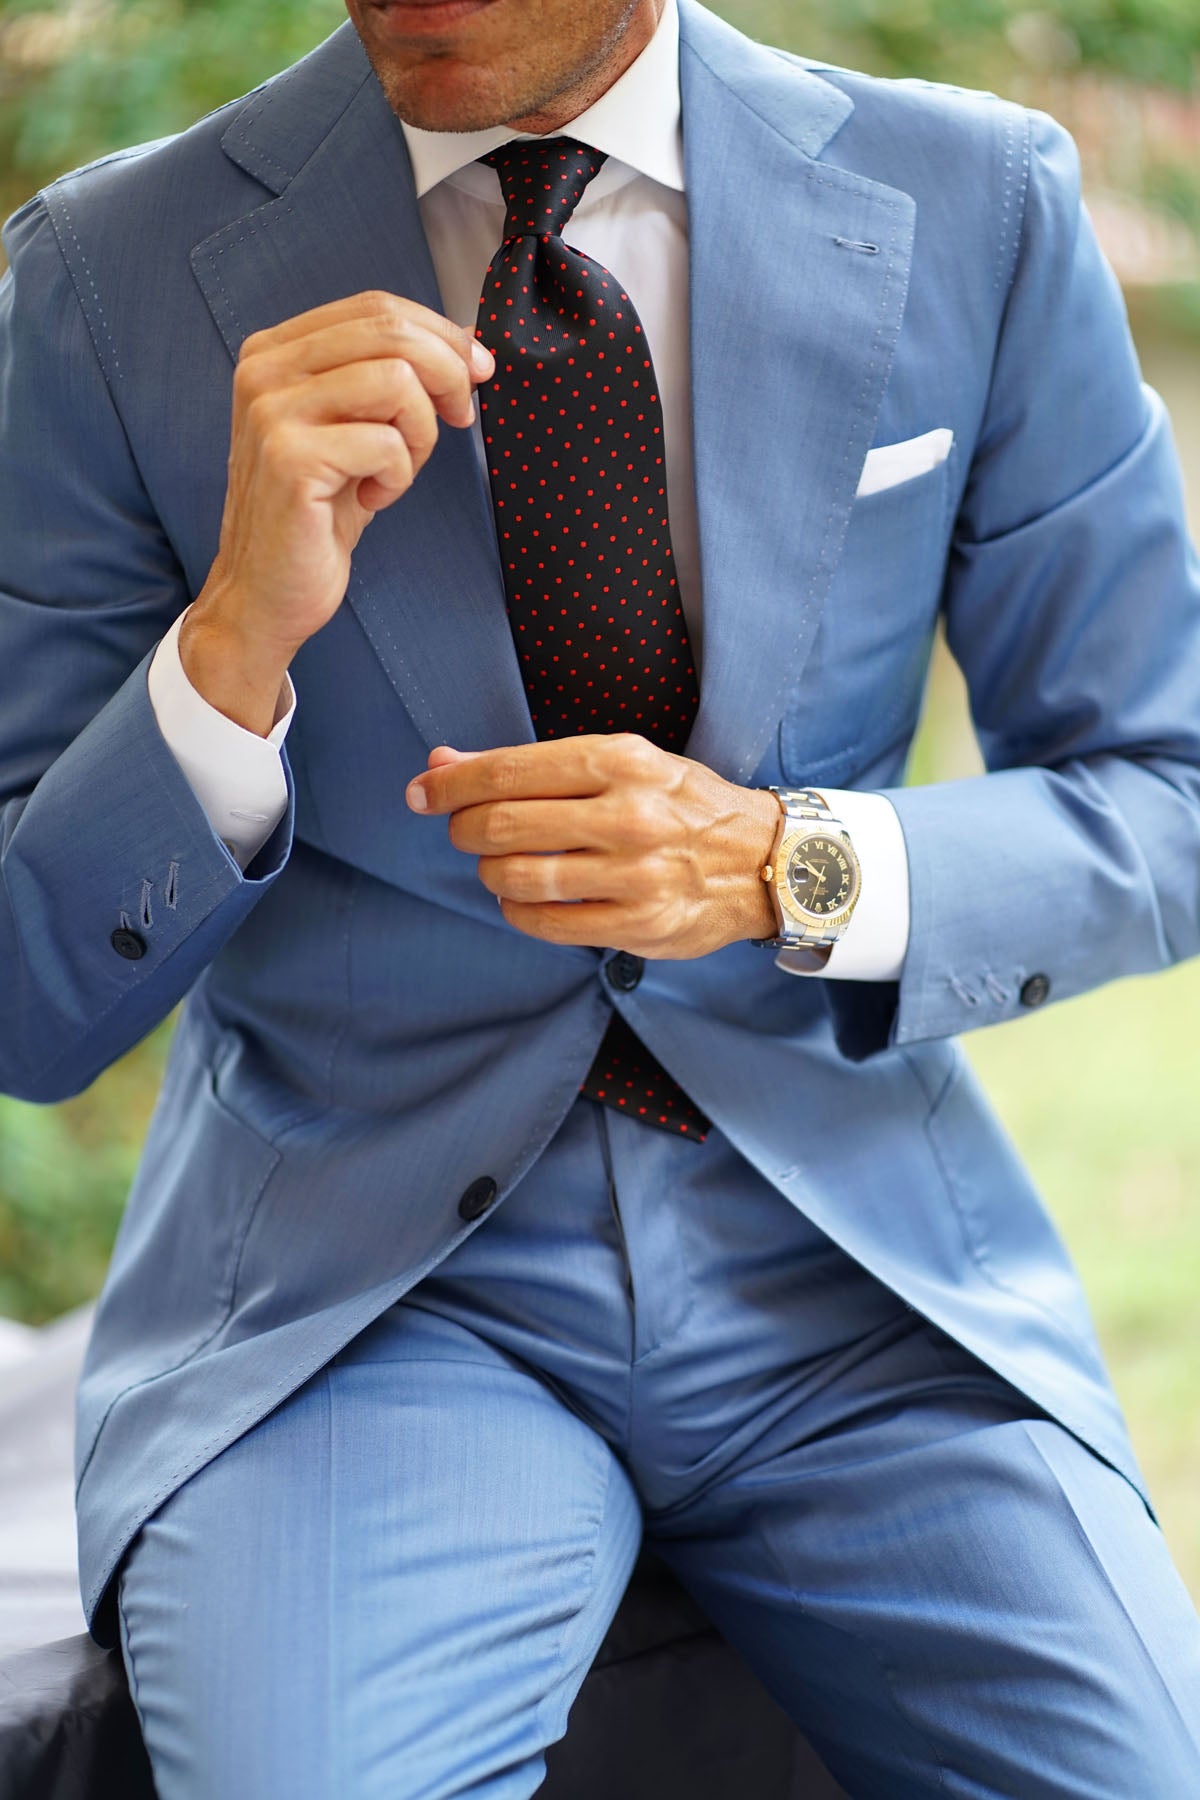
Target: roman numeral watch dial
(813,875)
(820,876)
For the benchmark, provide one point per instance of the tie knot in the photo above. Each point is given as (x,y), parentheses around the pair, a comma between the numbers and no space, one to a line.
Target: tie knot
(542,180)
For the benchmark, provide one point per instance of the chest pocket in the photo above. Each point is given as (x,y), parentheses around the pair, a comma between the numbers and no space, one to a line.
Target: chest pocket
(860,692)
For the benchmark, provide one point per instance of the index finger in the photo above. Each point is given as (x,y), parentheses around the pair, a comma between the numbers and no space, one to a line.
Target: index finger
(566,768)
(374,303)
(350,342)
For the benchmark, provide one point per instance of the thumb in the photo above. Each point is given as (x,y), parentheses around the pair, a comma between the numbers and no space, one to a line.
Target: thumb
(443,755)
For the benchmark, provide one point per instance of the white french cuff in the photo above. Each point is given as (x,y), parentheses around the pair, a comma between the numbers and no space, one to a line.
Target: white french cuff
(236,775)
(876,939)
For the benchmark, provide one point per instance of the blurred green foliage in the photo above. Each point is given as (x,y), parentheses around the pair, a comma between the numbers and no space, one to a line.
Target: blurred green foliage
(967,41)
(84,76)
(65,1172)
(78,77)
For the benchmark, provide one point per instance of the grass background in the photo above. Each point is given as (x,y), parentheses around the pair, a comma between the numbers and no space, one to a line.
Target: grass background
(1102,1097)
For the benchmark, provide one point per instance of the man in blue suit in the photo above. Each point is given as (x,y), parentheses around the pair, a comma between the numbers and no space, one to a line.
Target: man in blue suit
(464,1251)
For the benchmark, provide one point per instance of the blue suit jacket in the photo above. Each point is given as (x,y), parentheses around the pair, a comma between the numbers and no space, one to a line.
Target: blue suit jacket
(364,1036)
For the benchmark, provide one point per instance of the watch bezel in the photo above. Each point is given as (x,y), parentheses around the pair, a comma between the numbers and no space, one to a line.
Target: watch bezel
(793,838)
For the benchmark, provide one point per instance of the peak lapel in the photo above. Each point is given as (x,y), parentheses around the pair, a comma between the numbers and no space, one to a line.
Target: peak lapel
(793,327)
(425,584)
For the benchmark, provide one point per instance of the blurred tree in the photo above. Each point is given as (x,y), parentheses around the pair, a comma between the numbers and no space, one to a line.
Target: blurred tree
(78,77)
(65,1173)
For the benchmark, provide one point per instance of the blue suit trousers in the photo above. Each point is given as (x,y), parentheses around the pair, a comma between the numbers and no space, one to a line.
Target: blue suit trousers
(394,1584)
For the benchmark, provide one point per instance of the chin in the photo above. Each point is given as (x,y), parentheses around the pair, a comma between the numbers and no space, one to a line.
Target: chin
(444,95)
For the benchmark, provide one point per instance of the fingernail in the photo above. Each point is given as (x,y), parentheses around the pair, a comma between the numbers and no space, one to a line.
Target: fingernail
(469,416)
(482,360)
(414,793)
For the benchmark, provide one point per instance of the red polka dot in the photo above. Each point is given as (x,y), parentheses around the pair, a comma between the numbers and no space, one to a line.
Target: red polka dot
(536,275)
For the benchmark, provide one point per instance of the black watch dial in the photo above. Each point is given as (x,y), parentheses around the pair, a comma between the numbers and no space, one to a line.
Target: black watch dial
(820,876)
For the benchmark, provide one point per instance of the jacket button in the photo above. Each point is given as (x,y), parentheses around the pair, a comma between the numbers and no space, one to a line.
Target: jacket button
(477,1198)
(1035,990)
(624,971)
(128,944)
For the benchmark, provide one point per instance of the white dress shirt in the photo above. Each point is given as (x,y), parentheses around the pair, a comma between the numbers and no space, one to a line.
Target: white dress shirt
(632,218)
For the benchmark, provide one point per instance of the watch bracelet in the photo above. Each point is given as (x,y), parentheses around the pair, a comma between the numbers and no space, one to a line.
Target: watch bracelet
(808,803)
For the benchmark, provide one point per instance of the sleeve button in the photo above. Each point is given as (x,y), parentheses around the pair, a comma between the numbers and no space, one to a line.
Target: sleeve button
(128,944)
(477,1198)
(624,971)
(1035,990)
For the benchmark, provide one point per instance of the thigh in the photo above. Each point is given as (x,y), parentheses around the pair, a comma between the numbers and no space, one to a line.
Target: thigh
(978,1608)
(392,1586)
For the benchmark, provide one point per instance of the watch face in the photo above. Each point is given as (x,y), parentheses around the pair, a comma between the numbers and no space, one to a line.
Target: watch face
(822,878)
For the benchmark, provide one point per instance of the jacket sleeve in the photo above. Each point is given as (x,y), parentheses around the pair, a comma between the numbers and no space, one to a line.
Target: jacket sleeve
(115,892)
(1073,609)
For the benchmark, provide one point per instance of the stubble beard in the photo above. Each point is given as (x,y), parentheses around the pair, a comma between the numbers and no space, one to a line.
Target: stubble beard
(439,92)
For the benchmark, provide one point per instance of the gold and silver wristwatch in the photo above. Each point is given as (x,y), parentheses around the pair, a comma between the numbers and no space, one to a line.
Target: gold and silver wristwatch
(813,876)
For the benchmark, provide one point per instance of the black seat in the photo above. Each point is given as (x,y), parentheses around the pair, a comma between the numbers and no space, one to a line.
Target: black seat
(667,1712)
(667,1709)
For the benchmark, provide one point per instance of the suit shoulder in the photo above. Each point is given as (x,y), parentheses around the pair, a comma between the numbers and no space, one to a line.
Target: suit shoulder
(154,195)
(975,163)
(918,118)
(114,180)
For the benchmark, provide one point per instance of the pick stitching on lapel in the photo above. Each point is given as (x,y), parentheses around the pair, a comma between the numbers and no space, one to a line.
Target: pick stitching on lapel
(787,376)
(426,584)
(789,364)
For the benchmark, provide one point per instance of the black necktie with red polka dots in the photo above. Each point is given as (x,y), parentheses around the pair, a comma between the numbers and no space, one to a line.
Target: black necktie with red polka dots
(573,429)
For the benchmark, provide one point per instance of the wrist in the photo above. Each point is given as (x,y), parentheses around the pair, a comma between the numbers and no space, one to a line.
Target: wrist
(241,674)
(814,875)
(764,818)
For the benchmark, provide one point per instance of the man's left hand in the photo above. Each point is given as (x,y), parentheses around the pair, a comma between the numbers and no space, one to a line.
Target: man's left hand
(607,840)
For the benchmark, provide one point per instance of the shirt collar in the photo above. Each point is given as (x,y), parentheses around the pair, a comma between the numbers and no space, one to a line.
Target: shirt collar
(637,122)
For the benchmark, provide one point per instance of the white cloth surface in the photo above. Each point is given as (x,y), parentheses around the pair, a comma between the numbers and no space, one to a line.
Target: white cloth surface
(632,219)
(890,464)
(39,1584)
(236,775)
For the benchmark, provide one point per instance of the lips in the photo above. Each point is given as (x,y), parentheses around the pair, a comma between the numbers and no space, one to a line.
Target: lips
(426,15)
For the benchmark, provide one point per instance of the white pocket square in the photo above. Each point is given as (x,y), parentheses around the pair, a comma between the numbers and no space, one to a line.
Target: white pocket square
(891,464)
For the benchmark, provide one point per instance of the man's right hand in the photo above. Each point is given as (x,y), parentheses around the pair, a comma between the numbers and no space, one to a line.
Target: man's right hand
(335,412)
